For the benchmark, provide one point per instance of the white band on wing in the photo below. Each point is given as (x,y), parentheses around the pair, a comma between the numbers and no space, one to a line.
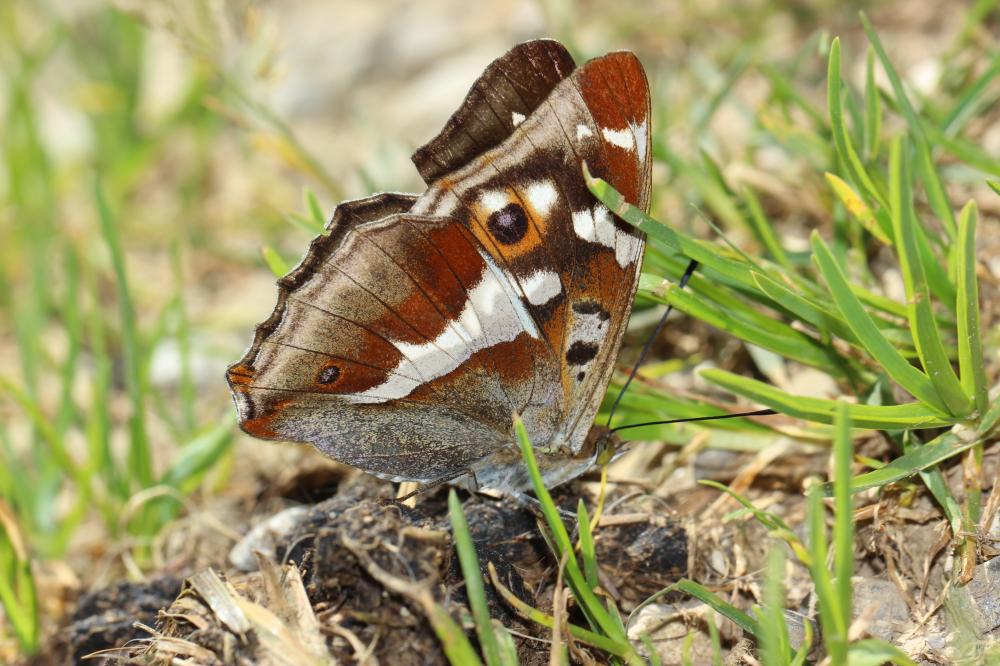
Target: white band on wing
(493,314)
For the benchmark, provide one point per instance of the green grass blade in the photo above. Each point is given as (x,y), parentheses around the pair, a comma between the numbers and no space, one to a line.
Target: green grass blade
(831,619)
(508,651)
(922,325)
(98,424)
(714,194)
(822,318)
(304,223)
(963,149)
(273,260)
(714,639)
(967,105)
(706,254)
(198,456)
(792,344)
(771,521)
(764,229)
(936,195)
(56,445)
(933,478)
(733,306)
(587,600)
(473,576)
(18,593)
(654,655)
(315,210)
(874,652)
(454,642)
(587,546)
(74,334)
(879,302)
(843,514)
(990,419)
(858,209)
(774,645)
(912,462)
(904,374)
(873,109)
(935,270)
(140,459)
(188,389)
(888,417)
(741,619)
(970,345)
(786,90)
(841,139)
(545,620)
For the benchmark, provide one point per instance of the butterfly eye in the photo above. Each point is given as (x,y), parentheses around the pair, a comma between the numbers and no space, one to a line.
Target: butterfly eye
(509,224)
(328,375)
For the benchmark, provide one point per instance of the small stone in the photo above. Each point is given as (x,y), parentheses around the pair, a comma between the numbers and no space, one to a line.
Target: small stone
(982,598)
(881,602)
(264,536)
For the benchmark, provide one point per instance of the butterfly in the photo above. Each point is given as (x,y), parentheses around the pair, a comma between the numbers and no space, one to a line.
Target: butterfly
(417,326)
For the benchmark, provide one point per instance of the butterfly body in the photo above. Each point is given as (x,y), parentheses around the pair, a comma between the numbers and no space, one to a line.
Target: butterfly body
(420,324)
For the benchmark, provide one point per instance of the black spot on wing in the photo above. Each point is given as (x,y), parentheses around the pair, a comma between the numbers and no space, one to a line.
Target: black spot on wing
(328,375)
(581,353)
(591,308)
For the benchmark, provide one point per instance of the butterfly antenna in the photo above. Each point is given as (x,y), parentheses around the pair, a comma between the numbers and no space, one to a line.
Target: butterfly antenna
(688,272)
(718,417)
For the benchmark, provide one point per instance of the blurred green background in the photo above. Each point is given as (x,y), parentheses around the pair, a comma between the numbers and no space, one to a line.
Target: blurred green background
(157,156)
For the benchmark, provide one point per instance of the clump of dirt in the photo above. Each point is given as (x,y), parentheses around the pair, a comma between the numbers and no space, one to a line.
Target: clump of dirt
(350,581)
(352,578)
(107,618)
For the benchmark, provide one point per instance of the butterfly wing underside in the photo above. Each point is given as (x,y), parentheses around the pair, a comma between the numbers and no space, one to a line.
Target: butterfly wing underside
(415,328)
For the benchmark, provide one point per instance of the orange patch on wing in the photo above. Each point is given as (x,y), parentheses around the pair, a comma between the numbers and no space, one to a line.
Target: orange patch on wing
(460,251)
(240,376)
(438,276)
(340,376)
(261,425)
(420,312)
(513,361)
(607,280)
(615,90)
(535,234)
(555,323)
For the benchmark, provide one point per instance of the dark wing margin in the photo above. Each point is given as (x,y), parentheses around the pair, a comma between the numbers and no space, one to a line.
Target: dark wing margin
(515,83)
(347,215)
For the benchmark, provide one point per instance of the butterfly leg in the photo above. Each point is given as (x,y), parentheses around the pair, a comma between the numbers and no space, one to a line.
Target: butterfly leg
(533,505)
(431,485)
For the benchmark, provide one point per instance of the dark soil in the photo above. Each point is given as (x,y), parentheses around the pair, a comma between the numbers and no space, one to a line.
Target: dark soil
(337,546)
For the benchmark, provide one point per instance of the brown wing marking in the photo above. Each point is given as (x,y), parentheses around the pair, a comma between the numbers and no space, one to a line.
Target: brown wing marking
(349,338)
(615,91)
(507,85)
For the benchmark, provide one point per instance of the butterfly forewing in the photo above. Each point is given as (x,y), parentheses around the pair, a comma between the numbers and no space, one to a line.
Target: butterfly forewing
(573,263)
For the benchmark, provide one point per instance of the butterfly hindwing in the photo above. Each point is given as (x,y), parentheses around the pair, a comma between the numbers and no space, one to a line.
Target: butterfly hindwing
(394,327)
